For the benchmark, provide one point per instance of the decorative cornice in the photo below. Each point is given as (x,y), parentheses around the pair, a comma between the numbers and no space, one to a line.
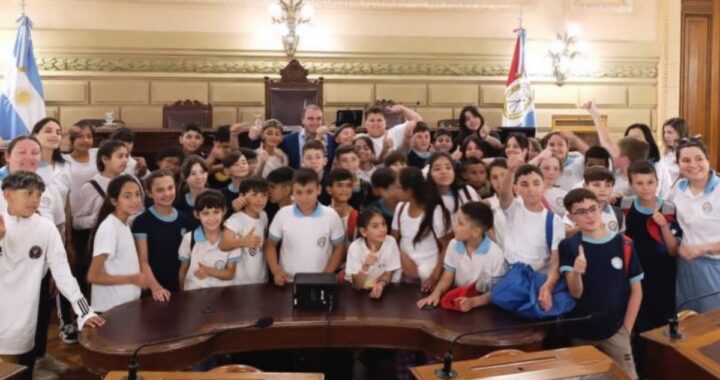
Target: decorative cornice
(606,6)
(646,69)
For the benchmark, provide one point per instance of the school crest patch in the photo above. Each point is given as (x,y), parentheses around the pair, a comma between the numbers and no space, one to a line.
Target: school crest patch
(35,252)
(616,263)
(707,207)
(613,226)
(322,242)
(220,264)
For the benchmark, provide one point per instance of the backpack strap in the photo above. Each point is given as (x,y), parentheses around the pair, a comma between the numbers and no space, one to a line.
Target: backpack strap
(467,193)
(625,205)
(549,229)
(97,187)
(352,224)
(620,216)
(402,208)
(192,240)
(627,253)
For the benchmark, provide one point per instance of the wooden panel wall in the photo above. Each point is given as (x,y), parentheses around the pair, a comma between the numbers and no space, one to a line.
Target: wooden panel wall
(700,71)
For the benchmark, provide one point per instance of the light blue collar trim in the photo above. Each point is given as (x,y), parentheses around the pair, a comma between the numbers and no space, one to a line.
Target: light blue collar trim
(645,210)
(231,189)
(4,172)
(483,248)
(43,163)
(171,218)
(569,160)
(714,181)
(604,240)
(188,199)
(199,235)
(315,214)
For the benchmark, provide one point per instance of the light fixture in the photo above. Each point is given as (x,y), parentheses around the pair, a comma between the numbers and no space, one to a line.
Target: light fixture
(288,15)
(564,51)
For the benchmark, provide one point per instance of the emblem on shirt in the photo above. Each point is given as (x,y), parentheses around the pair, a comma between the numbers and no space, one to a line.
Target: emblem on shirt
(35,252)
(559,201)
(45,201)
(220,264)
(613,226)
(322,242)
(707,207)
(254,251)
(616,263)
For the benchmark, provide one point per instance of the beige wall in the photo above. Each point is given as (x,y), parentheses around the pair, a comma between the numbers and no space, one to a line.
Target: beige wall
(133,56)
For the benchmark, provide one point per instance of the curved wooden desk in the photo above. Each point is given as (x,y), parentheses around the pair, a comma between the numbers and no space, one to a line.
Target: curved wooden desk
(357,321)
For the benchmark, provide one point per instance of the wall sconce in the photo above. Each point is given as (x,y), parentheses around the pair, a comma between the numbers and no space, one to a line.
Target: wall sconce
(565,51)
(288,16)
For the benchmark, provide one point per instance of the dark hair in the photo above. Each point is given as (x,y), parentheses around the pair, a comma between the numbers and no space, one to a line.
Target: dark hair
(209,199)
(339,174)
(598,152)
(272,123)
(420,127)
(231,158)
(654,151)
(633,149)
(367,140)
(479,213)
(367,215)
(374,110)
(113,192)
(192,127)
(474,161)
(482,145)
(344,149)
(56,155)
(521,139)
(498,162)
(23,180)
(442,131)
(313,145)
(577,196)
(82,125)
(155,175)
(343,127)
(679,125)
(549,135)
(641,167)
(17,140)
(412,179)
(222,134)
(305,176)
(597,173)
(255,184)
(464,131)
(281,175)
(250,154)
(123,134)
(527,169)
(309,107)
(690,143)
(394,157)
(191,161)
(455,186)
(383,178)
(106,150)
(173,151)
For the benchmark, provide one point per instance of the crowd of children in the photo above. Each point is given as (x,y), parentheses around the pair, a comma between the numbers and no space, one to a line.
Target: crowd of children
(633,233)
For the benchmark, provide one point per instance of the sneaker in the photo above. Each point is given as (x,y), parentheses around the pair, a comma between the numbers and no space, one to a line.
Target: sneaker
(68,334)
(41,374)
(49,363)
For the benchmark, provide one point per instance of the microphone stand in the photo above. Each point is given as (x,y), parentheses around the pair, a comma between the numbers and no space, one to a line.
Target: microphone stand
(446,372)
(134,366)
(674,322)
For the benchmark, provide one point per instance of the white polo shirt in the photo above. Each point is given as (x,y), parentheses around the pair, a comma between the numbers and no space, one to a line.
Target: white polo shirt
(425,252)
(388,260)
(698,215)
(486,264)
(77,174)
(208,254)
(609,218)
(31,246)
(573,170)
(307,241)
(396,134)
(670,160)
(86,214)
(114,239)
(531,248)
(555,197)
(251,268)
(468,194)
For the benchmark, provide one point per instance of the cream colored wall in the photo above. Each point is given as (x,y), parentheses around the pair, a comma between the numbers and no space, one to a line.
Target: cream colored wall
(133,56)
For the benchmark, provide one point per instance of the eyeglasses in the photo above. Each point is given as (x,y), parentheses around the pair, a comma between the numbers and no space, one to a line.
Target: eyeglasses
(690,141)
(586,211)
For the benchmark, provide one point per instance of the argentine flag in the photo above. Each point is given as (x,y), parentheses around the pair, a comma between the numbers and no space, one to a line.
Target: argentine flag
(21,99)
(519,105)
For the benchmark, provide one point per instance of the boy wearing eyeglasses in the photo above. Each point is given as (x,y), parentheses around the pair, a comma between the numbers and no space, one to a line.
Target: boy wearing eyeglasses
(603,274)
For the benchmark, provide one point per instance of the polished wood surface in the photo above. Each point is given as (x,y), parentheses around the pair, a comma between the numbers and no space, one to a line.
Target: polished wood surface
(695,356)
(357,321)
(700,71)
(117,375)
(580,362)
(150,141)
(10,371)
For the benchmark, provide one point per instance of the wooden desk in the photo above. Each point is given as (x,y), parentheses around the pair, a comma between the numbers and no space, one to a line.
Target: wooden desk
(357,321)
(150,141)
(695,356)
(117,375)
(580,362)
(10,371)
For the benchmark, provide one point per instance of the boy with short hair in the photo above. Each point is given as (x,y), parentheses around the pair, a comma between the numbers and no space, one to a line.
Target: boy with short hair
(396,160)
(31,244)
(245,230)
(314,157)
(202,263)
(387,189)
(312,235)
(346,157)
(171,159)
(191,140)
(600,181)
(217,178)
(279,190)
(340,188)
(603,274)
(443,140)
(420,146)
(475,173)
(236,167)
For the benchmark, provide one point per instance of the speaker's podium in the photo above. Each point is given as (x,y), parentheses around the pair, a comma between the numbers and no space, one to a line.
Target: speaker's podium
(150,375)
(696,355)
(584,362)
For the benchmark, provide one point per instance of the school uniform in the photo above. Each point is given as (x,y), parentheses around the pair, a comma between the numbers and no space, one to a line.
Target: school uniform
(30,247)
(533,248)
(486,264)
(251,267)
(92,199)
(366,175)
(612,217)
(208,254)
(273,162)
(163,235)
(573,170)
(388,260)
(418,159)
(77,174)
(670,161)
(454,199)
(425,252)
(553,200)
(307,241)
(499,221)
(114,239)
(699,218)
(396,135)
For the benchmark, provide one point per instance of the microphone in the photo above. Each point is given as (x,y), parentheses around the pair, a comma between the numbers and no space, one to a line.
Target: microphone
(446,372)
(674,323)
(133,366)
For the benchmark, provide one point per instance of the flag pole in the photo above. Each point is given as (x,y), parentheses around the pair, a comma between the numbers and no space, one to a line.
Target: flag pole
(22,7)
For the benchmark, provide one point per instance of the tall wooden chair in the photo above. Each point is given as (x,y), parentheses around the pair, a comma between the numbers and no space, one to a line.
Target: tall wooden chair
(182,112)
(286,98)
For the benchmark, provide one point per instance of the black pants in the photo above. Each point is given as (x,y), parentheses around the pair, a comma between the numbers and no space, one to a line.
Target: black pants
(43,320)
(81,265)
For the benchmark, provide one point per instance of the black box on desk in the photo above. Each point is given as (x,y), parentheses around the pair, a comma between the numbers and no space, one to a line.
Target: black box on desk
(314,290)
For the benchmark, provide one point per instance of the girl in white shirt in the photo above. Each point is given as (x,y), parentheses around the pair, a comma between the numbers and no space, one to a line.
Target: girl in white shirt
(366,153)
(115,268)
(673,129)
(195,177)
(552,169)
(443,179)
(496,172)
(558,144)
(49,133)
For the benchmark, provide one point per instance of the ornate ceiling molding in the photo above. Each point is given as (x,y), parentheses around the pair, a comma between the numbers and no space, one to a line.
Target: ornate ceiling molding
(646,69)
(606,6)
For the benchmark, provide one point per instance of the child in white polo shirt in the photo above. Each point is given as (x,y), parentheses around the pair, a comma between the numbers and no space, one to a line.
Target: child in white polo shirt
(29,245)
(471,256)
(312,235)
(600,181)
(202,263)
(374,258)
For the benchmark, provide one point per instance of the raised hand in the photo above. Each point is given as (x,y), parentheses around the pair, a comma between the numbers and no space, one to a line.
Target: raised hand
(250,239)
(580,264)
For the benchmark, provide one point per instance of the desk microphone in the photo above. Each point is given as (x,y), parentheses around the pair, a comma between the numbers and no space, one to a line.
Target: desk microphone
(133,366)
(446,372)
(674,323)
